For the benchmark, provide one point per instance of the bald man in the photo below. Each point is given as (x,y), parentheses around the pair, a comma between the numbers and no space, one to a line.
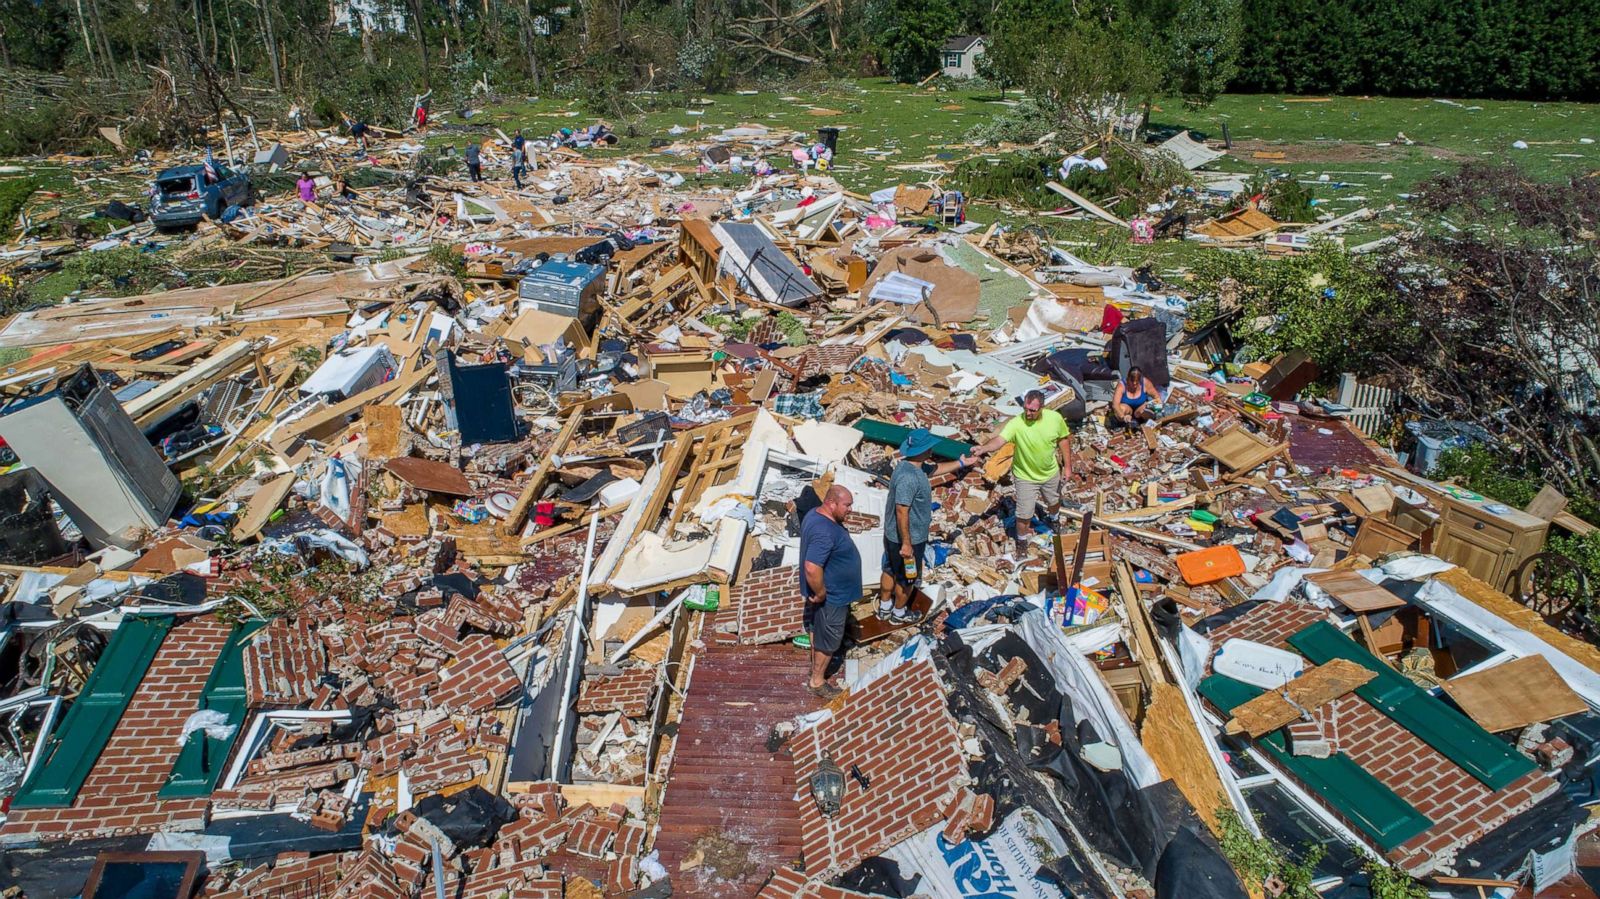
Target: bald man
(830,582)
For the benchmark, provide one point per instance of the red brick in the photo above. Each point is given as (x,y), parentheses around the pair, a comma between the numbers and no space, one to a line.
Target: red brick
(899,732)
(769,606)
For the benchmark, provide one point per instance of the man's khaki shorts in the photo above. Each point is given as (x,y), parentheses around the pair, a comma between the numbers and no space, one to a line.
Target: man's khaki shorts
(1031,494)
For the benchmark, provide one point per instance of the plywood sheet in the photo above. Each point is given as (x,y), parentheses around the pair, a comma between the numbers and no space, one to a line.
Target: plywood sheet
(1355,592)
(1175,745)
(1240,449)
(431,475)
(385,424)
(1311,690)
(1514,695)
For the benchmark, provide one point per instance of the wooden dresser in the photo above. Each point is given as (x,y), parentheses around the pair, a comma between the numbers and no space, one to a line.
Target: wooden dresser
(1491,547)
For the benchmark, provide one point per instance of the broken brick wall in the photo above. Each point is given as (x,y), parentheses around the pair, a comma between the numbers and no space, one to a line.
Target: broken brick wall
(119,796)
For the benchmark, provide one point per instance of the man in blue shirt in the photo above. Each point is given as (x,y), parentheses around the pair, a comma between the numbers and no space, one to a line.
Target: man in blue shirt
(905,529)
(830,581)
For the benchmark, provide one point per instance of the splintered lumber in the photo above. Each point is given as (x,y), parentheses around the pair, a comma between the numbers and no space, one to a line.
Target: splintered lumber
(1084,204)
(530,491)
(339,411)
(1311,690)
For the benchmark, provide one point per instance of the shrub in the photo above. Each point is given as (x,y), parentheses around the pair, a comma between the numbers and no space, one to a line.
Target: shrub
(33,131)
(1326,303)
(14,194)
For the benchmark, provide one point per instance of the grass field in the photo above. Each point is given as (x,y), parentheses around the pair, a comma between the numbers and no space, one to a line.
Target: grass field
(1350,149)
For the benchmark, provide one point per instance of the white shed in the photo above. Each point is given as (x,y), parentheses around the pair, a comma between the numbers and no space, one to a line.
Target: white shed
(959,56)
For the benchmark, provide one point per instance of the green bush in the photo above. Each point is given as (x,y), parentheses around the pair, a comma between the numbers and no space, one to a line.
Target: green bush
(1284,197)
(1258,860)
(1017,177)
(14,194)
(1330,305)
(35,131)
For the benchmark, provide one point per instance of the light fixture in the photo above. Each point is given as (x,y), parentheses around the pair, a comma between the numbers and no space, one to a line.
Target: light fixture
(827,786)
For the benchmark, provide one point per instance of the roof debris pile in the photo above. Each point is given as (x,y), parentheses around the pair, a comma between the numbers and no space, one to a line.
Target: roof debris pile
(479,572)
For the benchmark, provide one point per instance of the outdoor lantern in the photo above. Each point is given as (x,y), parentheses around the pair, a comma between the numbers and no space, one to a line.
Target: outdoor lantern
(827,786)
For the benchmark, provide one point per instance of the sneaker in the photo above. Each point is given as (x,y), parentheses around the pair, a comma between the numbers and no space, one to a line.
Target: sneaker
(905,616)
(885,611)
(803,641)
(826,692)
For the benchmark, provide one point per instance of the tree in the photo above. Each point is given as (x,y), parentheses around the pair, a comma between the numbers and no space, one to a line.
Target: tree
(1511,299)
(910,33)
(1202,42)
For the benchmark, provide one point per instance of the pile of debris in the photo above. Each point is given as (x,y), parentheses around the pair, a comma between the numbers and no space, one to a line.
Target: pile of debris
(389,579)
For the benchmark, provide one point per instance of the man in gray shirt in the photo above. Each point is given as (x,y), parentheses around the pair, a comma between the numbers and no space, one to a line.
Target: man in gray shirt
(905,530)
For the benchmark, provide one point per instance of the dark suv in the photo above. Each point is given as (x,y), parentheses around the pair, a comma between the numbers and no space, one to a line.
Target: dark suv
(183,196)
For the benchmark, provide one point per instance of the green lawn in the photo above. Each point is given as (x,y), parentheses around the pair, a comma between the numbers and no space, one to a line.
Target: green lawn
(1349,148)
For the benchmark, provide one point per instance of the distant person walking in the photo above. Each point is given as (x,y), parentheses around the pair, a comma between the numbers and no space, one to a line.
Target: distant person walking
(519,164)
(475,162)
(830,582)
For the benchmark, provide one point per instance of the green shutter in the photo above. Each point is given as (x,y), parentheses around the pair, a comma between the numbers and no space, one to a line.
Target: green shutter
(199,765)
(893,435)
(77,742)
(1345,786)
(1454,735)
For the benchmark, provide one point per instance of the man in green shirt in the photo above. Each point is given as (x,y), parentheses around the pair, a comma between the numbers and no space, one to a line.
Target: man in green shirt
(1037,434)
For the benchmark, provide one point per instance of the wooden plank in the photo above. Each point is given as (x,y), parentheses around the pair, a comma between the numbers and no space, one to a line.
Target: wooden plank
(397,387)
(1549,503)
(1514,695)
(1573,523)
(1355,592)
(1310,691)
(1148,512)
(1085,204)
(671,463)
(1140,625)
(258,511)
(1141,533)
(530,490)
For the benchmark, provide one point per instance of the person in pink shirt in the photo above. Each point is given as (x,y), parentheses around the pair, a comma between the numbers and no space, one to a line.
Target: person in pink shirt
(307,187)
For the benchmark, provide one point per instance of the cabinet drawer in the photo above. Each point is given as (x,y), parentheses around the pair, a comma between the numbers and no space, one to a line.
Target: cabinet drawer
(1485,527)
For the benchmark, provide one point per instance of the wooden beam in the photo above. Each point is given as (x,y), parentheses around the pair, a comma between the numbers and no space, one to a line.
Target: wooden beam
(336,413)
(1139,623)
(1085,204)
(530,490)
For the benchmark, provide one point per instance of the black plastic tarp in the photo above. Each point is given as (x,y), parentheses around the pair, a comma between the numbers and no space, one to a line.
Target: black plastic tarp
(1136,827)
